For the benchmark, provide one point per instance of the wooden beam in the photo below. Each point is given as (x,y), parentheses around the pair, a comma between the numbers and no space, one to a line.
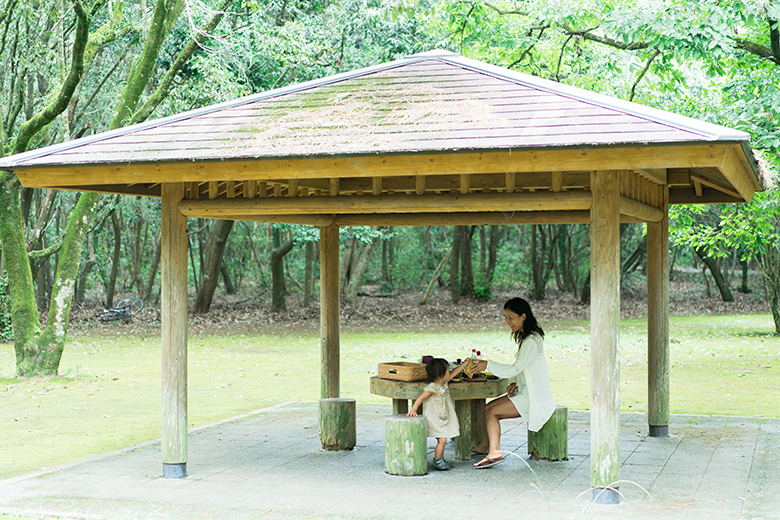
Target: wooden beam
(510,182)
(658,323)
(520,161)
(639,210)
(329,311)
(292,188)
(557,181)
(376,185)
(698,182)
(419,184)
(458,219)
(430,203)
(304,220)
(334,186)
(604,336)
(173,317)
(688,196)
(465,184)
(655,175)
(737,170)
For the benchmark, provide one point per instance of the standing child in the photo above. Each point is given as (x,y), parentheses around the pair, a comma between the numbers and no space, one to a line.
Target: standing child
(439,410)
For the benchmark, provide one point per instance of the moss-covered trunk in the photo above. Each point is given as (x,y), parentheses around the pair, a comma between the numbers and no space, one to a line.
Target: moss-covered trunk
(24,311)
(41,354)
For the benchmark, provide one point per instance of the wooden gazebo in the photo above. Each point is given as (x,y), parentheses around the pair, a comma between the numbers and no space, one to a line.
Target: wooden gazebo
(433,138)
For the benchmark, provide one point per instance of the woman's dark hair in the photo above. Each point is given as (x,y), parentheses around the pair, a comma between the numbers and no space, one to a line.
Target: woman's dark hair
(437,367)
(519,306)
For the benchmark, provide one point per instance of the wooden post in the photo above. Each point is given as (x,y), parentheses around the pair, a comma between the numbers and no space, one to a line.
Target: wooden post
(337,423)
(551,442)
(173,315)
(604,335)
(658,323)
(329,311)
(406,445)
(465,441)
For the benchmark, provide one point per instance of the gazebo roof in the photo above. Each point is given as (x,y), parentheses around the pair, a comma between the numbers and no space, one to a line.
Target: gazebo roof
(434,116)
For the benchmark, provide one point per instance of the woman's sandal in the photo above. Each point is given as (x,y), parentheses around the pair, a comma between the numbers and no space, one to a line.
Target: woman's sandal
(477,453)
(487,462)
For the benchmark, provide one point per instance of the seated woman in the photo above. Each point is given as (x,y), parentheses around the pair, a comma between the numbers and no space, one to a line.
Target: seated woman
(530,397)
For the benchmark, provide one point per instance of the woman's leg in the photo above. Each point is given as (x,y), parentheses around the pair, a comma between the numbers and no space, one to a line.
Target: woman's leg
(484,445)
(439,451)
(503,409)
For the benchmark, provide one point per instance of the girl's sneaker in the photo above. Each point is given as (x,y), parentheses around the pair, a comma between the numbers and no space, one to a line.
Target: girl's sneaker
(441,464)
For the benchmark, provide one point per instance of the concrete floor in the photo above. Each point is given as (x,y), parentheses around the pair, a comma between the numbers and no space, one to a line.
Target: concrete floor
(269,464)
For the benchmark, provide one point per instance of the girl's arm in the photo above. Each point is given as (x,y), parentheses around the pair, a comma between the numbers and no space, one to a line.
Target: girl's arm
(417,403)
(455,371)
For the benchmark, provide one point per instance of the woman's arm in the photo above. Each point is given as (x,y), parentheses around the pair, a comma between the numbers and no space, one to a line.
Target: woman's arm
(525,357)
(417,403)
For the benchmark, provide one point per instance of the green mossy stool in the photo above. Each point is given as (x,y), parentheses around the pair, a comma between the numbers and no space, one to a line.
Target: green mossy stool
(406,445)
(337,423)
(551,442)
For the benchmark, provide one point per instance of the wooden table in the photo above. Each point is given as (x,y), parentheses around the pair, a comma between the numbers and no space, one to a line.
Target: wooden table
(469,397)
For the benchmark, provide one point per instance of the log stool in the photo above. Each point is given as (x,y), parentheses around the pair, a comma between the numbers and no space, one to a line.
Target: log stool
(551,442)
(337,423)
(406,445)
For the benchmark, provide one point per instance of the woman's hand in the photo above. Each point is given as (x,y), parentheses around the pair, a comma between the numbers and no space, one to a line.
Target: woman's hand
(511,390)
(411,413)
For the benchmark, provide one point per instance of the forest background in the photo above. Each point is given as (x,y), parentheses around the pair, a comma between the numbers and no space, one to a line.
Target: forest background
(70,68)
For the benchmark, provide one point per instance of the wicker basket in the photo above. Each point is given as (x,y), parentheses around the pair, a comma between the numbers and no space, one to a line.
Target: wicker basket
(403,371)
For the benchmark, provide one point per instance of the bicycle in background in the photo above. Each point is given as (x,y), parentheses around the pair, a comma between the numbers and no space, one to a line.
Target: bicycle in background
(122,311)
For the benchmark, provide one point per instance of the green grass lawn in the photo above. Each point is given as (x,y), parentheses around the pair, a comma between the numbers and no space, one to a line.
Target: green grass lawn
(108,394)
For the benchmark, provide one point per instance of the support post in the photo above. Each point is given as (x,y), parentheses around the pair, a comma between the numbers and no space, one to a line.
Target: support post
(337,423)
(658,322)
(604,335)
(173,316)
(329,311)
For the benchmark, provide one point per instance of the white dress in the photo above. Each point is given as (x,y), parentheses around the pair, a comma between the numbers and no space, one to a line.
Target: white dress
(439,412)
(533,399)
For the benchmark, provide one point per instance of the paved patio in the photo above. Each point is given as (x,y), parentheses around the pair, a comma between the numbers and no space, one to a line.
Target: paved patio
(269,464)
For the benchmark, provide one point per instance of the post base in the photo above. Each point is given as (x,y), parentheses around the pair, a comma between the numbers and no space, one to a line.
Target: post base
(607,496)
(175,470)
(658,431)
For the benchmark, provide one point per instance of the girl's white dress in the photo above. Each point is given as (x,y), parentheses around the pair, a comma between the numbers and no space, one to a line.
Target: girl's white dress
(439,412)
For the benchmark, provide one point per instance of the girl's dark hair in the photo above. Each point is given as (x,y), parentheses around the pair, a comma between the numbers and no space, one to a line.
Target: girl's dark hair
(437,367)
(519,306)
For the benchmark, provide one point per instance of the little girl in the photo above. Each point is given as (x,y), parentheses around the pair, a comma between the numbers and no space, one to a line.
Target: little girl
(439,410)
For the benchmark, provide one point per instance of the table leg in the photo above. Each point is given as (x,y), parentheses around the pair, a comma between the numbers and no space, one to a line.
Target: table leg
(477,420)
(400,406)
(465,441)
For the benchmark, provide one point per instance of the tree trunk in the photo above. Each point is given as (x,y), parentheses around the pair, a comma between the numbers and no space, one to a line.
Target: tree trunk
(346,264)
(720,281)
(152,274)
(356,278)
(455,263)
(115,259)
(743,287)
(496,236)
(278,289)
(214,249)
(81,285)
(308,274)
(466,267)
(226,279)
(636,259)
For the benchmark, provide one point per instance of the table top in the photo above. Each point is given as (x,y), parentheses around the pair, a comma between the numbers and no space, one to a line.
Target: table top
(462,390)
